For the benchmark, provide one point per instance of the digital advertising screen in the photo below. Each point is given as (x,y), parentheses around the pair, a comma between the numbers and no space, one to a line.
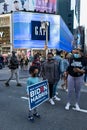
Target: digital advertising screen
(47,6)
(27,36)
(27,31)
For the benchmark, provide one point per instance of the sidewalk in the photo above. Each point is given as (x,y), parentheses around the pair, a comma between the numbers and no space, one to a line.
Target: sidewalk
(5,73)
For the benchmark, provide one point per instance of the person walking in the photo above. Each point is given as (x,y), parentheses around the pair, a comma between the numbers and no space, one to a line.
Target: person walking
(50,71)
(75,78)
(13,66)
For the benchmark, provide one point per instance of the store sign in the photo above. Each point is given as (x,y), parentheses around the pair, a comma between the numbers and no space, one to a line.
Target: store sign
(1,34)
(37,33)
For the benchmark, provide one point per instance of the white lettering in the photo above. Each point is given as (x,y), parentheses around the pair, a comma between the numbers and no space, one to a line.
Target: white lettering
(39,31)
(1,34)
(35,92)
(36,30)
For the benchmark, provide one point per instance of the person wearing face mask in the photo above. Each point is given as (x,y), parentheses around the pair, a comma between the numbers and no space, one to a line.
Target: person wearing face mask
(75,80)
(50,71)
(33,71)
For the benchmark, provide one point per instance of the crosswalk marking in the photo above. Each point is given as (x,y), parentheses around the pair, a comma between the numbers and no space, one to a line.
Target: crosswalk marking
(81,110)
(26,98)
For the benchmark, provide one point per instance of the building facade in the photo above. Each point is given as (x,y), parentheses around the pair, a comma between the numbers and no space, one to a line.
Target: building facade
(64,9)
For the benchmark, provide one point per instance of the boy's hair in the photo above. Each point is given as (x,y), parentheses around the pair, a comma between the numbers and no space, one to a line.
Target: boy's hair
(32,68)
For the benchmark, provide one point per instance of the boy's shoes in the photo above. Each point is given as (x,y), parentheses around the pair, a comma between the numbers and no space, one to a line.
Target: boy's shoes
(7,84)
(51,101)
(67,106)
(36,115)
(19,85)
(77,107)
(31,118)
(57,98)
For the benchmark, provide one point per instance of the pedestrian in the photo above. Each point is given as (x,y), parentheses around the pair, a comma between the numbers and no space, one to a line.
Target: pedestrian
(85,75)
(59,59)
(65,64)
(14,67)
(75,78)
(50,71)
(33,71)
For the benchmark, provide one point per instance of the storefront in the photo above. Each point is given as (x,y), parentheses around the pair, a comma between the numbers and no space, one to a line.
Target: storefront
(5,34)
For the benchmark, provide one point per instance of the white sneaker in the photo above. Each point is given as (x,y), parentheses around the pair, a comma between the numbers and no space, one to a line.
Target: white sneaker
(57,98)
(66,90)
(51,101)
(77,107)
(67,106)
(56,93)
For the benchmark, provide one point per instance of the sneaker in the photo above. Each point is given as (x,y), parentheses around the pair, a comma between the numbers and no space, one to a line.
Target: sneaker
(56,93)
(85,84)
(19,85)
(67,106)
(77,107)
(7,84)
(31,118)
(57,98)
(66,90)
(52,102)
(36,115)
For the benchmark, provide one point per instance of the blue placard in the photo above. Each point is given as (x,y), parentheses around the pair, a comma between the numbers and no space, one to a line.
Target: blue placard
(38,93)
(37,33)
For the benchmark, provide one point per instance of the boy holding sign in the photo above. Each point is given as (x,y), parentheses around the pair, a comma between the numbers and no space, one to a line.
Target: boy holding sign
(32,80)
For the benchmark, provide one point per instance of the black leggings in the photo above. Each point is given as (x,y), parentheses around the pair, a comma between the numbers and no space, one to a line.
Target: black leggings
(50,90)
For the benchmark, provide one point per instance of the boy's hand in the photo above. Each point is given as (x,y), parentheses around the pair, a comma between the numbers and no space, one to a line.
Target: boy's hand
(27,95)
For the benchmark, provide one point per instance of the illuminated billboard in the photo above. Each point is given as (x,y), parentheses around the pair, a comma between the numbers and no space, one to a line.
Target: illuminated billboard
(59,35)
(47,6)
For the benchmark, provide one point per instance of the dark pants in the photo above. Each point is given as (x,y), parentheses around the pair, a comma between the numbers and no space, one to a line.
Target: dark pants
(51,90)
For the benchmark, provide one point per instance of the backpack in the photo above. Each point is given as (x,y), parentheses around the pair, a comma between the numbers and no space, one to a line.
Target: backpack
(13,63)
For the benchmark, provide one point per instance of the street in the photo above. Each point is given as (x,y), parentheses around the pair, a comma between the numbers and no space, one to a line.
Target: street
(14,110)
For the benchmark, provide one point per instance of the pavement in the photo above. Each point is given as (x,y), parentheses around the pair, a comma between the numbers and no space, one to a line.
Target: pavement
(5,73)
(14,109)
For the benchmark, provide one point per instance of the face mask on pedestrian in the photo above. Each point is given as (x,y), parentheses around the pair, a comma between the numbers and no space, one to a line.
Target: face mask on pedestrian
(50,58)
(77,56)
(35,75)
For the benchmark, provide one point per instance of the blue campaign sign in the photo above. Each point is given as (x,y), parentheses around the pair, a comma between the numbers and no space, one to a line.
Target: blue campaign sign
(38,93)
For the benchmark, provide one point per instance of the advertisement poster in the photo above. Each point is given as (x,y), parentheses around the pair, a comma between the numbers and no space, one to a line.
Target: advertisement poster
(47,6)
(38,93)
(22,30)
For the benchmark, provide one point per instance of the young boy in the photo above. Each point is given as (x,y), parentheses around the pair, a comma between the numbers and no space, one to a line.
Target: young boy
(30,81)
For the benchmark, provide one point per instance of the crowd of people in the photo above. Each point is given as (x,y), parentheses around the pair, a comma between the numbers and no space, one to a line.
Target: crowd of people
(70,68)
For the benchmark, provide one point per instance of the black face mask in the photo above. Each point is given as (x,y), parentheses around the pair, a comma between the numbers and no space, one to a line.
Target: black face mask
(49,59)
(35,75)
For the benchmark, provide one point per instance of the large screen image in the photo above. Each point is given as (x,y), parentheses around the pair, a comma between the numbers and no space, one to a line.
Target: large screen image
(28,33)
(22,30)
(47,6)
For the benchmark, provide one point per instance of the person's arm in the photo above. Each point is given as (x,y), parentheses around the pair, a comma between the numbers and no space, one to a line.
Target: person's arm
(79,70)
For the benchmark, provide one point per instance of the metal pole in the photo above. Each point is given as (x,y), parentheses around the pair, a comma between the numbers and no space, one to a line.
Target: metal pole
(46,40)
